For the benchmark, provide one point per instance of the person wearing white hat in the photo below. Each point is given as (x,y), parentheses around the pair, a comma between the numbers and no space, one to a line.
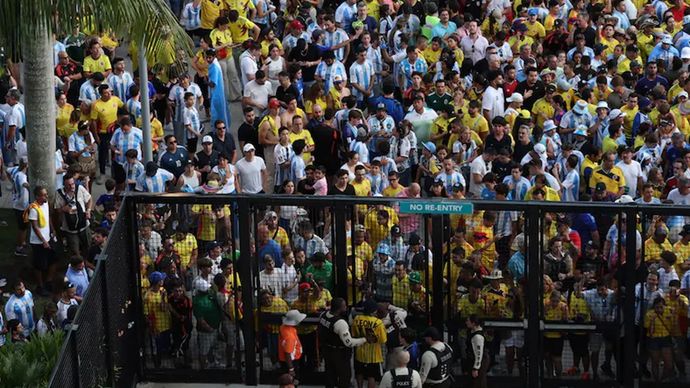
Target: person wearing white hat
(289,345)
(252,171)
(514,106)
(664,50)
(578,115)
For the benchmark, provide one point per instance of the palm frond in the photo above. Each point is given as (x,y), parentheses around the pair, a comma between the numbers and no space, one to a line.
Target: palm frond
(135,20)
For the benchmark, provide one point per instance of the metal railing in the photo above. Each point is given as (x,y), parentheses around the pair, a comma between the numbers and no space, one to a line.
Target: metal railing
(114,310)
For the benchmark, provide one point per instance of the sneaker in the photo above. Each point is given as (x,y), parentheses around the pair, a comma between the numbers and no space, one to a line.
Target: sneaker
(20,251)
(585,376)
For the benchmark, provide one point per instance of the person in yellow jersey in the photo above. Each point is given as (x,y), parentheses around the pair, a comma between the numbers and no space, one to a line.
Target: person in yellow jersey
(658,322)
(579,341)
(270,304)
(96,62)
(222,41)
(682,250)
(678,304)
(241,28)
(298,132)
(369,356)
(554,310)
(544,107)
(608,174)
(103,117)
(607,40)
(210,11)
(469,304)
(157,312)
(245,8)
(535,29)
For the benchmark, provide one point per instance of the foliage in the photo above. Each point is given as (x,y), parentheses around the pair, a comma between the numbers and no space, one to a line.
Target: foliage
(30,364)
(131,19)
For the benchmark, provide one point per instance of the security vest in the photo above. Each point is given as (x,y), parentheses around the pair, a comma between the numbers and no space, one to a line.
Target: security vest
(327,335)
(401,381)
(443,359)
(470,351)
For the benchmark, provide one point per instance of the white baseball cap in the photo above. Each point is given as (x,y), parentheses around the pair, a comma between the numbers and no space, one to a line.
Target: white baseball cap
(248,147)
(517,97)
(685,52)
(206,139)
(616,113)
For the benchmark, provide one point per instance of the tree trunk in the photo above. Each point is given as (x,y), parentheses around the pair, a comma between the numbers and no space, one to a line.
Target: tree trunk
(39,101)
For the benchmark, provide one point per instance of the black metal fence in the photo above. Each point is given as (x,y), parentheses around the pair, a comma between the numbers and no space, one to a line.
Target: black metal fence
(530,342)
(102,346)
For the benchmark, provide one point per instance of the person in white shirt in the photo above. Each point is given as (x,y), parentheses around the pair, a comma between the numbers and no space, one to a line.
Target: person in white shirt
(248,64)
(493,102)
(41,232)
(271,278)
(252,171)
(256,93)
(401,375)
(478,168)
(632,171)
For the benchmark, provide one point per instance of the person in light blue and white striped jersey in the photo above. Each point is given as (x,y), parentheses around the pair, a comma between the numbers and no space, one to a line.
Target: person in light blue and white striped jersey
(176,97)
(191,17)
(362,77)
(120,80)
(571,183)
(328,69)
(88,92)
(336,38)
(133,105)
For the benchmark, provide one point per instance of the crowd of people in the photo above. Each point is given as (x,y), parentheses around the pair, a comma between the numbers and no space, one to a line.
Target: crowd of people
(533,100)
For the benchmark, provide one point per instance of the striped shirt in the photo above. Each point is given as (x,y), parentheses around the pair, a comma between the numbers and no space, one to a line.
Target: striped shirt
(335,38)
(191,118)
(156,183)
(376,125)
(282,154)
(296,168)
(518,189)
(449,180)
(120,84)
(133,172)
(407,68)
(345,13)
(264,7)
(571,186)
(361,150)
(21,308)
(134,108)
(311,246)
(290,41)
(369,353)
(362,75)
(191,17)
(374,57)
(329,72)
(176,96)
(125,142)
(76,143)
(88,93)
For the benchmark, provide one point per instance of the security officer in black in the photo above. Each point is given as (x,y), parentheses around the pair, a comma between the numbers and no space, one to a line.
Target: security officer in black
(336,344)
(400,375)
(477,352)
(436,361)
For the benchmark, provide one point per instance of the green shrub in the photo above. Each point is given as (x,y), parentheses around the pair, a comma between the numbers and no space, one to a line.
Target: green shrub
(29,365)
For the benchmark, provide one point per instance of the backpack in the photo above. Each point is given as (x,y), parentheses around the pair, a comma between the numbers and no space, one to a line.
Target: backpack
(75,221)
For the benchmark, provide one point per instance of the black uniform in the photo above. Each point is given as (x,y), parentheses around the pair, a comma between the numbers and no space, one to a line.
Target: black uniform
(441,372)
(480,381)
(401,381)
(336,355)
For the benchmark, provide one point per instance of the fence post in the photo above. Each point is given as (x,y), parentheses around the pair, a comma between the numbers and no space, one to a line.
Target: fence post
(101,259)
(340,257)
(534,292)
(245,269)
(630,346)
(72,335)
(437,272)
(133,227)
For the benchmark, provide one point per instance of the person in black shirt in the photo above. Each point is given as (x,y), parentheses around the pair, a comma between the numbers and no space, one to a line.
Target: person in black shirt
(98,239)
(502,164)
(307,57)
(248,132)
(207,158)
(531,89)
(342,186)
(286,88)
(498,138)
(223,141)
(585,29)
(327,141)
(523,144)
(305,186)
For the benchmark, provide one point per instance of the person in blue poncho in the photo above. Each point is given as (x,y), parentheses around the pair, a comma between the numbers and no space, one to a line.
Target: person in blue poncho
(216,90)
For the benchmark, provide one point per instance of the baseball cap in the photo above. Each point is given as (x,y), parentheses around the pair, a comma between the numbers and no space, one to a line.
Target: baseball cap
(601,186)
(432,333)
(337,78)
(296,24)
(685,231)
(603,105)
(540,149)
(304,286)
(156,277)
(248,147)
(395,229)
(381,106)
(517,97)
(206,139)
(666,40)
(274,103)
(533,12)
(550,88)
(616,113)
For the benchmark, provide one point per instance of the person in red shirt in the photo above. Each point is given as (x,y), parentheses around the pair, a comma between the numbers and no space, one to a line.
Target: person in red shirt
(570,238)
(290,348)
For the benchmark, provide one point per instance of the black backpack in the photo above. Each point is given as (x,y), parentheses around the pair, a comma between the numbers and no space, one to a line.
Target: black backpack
(75,221)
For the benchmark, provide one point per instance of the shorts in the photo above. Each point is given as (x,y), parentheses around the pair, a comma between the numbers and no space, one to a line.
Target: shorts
(19,216)
(163,342)
(553,346)
(367,371)
(516,339)
(579,343)
(659,343)
(42,257)
(207,342)
(119,173)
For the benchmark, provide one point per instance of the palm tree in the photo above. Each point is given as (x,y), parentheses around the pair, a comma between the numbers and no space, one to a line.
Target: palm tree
(26,31)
